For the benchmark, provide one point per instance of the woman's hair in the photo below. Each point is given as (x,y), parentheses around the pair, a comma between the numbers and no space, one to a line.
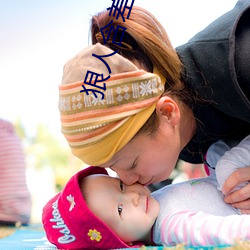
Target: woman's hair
(145,42)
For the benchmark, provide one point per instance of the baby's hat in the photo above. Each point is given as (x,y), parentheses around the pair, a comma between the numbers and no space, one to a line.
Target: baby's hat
(69,223)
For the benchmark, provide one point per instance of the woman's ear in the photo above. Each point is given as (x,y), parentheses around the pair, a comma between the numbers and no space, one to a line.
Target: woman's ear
(168,109)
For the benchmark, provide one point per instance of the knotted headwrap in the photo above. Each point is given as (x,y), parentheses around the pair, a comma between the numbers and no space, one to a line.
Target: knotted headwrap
(97,128)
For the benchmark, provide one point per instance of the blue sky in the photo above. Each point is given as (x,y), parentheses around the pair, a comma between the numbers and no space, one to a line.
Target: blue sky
(38,37)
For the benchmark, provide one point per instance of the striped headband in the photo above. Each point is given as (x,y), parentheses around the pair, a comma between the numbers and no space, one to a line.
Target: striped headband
(96,126)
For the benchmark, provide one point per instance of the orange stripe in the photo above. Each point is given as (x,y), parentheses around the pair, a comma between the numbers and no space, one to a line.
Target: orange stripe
(108,111)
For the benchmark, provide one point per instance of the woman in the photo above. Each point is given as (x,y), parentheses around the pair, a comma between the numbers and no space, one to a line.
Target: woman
(206,97)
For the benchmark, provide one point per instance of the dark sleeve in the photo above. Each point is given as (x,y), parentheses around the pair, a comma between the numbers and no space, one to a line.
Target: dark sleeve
(217,66)
(242,53)
(210,59)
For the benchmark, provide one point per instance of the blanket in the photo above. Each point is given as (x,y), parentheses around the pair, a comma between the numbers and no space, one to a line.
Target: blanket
(33,238)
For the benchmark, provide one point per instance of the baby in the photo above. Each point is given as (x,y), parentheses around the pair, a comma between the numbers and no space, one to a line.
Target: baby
(96,211)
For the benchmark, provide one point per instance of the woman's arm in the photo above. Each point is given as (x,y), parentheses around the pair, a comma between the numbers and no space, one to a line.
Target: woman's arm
(237,157)
(233,175)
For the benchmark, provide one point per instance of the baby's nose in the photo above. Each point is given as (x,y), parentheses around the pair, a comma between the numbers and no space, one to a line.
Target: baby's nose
(133,197)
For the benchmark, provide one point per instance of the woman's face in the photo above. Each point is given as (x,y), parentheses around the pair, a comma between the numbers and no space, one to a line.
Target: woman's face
(148,159)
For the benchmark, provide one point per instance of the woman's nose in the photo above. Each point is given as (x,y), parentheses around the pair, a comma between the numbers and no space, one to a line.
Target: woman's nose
(126,177)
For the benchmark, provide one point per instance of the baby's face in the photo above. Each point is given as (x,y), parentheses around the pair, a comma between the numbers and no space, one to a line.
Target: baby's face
(130,211)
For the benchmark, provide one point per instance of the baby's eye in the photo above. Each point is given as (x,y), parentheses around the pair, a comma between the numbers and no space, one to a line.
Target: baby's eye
(121,186)
(120,206)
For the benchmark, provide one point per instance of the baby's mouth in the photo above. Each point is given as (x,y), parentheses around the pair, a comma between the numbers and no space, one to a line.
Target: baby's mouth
(147,203)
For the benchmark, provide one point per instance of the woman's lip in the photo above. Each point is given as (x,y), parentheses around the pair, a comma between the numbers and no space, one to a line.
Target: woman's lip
(148,183)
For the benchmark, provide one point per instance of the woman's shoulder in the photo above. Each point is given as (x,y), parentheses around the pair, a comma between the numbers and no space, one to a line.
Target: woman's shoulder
(209,65)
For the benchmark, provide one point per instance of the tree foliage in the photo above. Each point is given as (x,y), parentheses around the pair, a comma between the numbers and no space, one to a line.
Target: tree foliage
(45,150)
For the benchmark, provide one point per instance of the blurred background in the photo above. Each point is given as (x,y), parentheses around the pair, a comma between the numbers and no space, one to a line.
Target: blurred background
(36,40)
